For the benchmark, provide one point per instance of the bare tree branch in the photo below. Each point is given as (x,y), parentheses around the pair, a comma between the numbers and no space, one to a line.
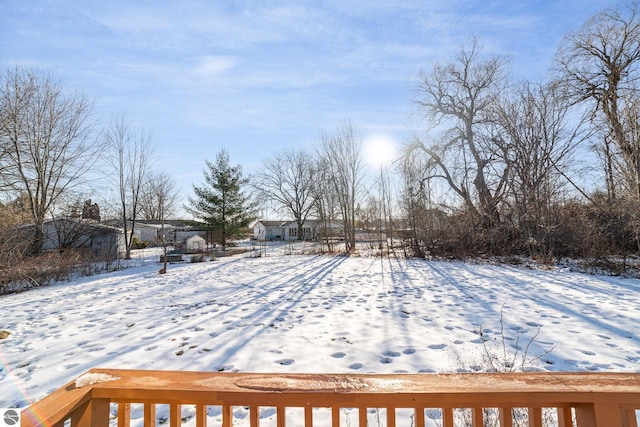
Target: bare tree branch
(47,141)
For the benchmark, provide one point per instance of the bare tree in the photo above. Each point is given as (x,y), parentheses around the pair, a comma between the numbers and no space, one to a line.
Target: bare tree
(130,160)
(376,212)
(599,64)
(159,196)
(4,145)
(341,155)
(158,201)
(325,201)
(46,135)
(386,207)
(458,96)
(15,212)
(418,205)
(287,179)
(534,131)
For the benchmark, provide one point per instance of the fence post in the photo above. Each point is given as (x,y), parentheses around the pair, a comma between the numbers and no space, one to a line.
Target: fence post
(94,413)
(598,415)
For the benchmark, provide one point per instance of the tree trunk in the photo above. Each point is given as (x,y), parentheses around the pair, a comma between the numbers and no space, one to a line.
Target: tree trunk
(38,238)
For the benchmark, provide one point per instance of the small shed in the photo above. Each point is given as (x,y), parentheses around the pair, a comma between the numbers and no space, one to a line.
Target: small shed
(196,244)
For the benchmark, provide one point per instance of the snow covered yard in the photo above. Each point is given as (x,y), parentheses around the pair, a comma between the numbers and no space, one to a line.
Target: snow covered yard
(315,314)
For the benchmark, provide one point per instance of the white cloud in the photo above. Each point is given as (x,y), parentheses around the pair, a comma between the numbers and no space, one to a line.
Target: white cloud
(212,65)
(276,72)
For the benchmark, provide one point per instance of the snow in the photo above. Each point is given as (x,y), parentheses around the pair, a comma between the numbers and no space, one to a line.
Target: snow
(91,378)
(315,314)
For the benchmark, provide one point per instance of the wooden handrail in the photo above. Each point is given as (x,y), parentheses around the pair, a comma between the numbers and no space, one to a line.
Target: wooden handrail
(582,399)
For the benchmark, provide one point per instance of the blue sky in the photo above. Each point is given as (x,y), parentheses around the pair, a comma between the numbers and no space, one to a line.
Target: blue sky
(258,77)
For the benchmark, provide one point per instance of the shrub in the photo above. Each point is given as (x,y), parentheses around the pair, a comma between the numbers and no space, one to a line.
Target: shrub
(139,244)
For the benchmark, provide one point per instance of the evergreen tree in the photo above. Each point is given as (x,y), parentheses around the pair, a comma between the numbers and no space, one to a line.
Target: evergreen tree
(220,202)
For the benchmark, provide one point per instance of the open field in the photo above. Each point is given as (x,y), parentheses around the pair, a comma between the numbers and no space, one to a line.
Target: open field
(303,313)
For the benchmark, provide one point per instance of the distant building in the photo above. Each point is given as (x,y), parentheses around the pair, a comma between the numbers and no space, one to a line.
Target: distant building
(312,229)
(65,233)
(175,231)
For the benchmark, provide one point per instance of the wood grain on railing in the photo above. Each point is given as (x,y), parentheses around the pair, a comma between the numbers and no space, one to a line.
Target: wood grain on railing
(581,399)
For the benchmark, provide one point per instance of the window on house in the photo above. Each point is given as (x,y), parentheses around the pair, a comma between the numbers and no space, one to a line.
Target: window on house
(293,232)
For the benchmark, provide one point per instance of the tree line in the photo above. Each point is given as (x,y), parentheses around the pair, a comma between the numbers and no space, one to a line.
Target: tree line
(52,151)
(52,154)
(543,170)
(513,158)
(497,167)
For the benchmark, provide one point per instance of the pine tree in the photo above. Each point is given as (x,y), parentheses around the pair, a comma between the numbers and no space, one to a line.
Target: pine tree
(220,202)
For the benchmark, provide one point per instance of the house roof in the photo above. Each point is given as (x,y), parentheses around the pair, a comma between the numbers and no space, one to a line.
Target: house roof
(274,223)
(196,238)
(167,222)
(153,226)
(83,223)
(284,223)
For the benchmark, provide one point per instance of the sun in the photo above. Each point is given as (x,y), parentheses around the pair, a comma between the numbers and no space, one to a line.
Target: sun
(380,149)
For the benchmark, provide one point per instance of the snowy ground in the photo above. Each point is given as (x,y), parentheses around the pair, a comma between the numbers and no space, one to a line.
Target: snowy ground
(314,314)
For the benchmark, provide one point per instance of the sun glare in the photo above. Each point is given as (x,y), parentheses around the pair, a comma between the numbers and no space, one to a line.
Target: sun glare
(379,149)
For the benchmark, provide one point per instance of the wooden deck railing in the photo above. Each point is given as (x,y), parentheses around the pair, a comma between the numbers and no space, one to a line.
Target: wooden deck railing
(104,397)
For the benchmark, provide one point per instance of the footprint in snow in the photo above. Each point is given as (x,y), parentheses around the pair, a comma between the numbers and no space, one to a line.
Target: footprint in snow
(409,351)
(437,346)
(338,355)
(390,353)
(386,360)
(285,362)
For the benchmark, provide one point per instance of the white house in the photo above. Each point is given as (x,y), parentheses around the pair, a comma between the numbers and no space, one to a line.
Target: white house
(312,229)
(148,232)
(269,230)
